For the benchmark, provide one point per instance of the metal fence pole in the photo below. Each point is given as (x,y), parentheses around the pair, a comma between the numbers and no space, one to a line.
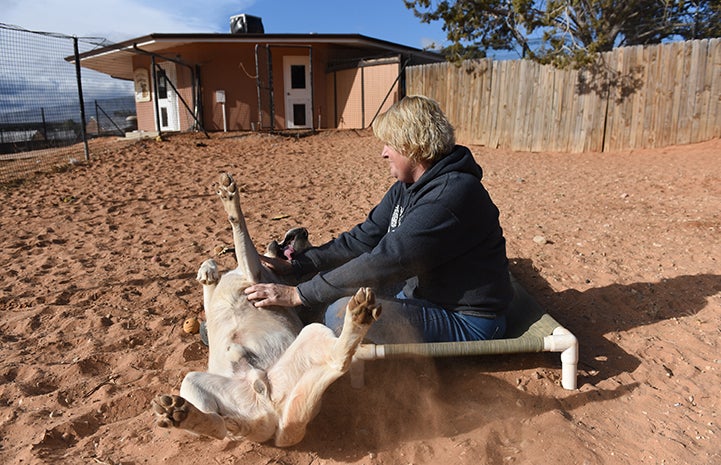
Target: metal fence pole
(45,124)
(97,120)
(155,96)
(80,97)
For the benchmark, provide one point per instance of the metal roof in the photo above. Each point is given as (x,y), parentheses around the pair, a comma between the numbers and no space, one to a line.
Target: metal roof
(116,60)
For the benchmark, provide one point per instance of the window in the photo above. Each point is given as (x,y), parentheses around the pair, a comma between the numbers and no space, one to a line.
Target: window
(162,84)
(297,76)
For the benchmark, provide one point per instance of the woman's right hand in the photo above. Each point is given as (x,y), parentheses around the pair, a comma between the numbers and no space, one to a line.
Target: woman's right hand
(273,295)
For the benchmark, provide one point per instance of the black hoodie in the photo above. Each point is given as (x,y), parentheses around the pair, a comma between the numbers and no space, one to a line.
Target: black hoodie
(440,235)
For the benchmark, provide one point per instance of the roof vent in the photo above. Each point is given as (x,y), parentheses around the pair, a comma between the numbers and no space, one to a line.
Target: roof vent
(245,24)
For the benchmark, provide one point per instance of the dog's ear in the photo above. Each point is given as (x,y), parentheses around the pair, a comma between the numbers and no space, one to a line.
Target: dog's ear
(273,250)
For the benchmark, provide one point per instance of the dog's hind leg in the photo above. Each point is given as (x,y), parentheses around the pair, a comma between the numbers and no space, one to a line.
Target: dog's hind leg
(316,359)
(360,313)
(220,406)
(245,252)
(175,411)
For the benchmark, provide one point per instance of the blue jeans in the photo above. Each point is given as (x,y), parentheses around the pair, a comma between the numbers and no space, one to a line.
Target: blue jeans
(405,320)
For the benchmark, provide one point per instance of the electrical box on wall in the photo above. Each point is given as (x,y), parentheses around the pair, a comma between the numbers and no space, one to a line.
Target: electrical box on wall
(220,96)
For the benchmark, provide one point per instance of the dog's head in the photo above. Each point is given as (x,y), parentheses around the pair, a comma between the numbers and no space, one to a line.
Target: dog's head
(295,240)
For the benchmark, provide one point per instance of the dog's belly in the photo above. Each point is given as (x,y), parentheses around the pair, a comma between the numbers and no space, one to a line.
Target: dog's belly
(241,335)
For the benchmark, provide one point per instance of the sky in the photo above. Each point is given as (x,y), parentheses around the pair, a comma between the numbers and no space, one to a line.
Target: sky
(119,20)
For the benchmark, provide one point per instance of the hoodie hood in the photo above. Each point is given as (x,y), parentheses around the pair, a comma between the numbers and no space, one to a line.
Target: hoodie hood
(460,160)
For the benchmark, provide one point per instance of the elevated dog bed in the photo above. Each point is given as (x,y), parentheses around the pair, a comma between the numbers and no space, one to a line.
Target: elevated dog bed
(530,329)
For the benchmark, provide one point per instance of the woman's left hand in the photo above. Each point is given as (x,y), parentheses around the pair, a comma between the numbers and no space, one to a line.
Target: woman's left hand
(268,295)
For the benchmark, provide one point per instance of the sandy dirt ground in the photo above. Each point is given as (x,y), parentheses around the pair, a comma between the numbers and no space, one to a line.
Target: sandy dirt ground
(98,266)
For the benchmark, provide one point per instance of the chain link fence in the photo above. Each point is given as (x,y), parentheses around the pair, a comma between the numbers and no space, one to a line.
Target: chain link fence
(49,108)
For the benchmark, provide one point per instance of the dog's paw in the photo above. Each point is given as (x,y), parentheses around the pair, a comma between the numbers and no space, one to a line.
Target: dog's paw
(228,193)
(208,272)
(362,307)
(227,188)
(227,185)
(170,410)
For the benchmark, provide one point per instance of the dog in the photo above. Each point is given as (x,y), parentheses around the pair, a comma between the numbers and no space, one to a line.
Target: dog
(295,240)
(266,372)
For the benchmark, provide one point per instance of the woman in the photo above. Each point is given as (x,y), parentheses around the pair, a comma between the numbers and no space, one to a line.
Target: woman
(432,249)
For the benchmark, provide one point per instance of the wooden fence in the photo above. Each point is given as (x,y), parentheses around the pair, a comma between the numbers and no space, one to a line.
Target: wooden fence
(636,97)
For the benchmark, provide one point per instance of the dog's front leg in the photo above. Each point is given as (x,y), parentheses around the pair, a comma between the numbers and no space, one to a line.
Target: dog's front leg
(208,276)
(245,252)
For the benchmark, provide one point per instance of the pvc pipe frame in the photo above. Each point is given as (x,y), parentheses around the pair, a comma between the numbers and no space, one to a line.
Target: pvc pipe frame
(566,343)
(561,340)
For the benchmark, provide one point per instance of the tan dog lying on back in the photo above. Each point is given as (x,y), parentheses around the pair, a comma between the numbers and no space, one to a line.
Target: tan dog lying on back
(266,374)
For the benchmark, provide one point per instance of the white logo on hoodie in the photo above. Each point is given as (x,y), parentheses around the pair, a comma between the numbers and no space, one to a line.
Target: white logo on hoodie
(396,218)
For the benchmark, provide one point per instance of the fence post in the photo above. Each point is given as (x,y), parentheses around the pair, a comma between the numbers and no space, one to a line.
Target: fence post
(45,125)
(97,120)
(80,96)
(155,96)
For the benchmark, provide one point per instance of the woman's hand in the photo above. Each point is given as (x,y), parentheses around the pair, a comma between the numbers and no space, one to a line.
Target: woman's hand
(268,295)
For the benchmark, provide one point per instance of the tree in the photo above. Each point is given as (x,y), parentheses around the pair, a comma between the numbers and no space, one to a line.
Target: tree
(564,32)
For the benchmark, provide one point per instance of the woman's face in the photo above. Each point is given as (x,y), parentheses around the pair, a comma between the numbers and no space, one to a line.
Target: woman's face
(402,168)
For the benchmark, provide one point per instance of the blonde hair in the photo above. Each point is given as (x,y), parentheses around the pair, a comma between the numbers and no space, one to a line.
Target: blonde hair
(416,127)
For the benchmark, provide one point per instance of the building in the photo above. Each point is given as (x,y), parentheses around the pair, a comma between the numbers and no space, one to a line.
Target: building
(250,80)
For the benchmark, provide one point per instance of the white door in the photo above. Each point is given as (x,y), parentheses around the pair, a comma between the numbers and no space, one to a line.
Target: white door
(298,104)
(167,98)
